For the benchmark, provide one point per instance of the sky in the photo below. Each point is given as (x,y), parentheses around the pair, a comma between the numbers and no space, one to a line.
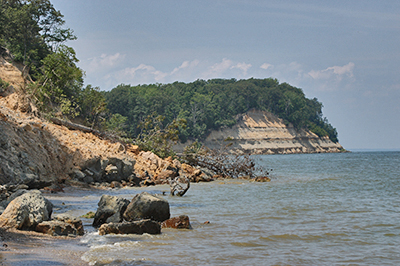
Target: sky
(344,53)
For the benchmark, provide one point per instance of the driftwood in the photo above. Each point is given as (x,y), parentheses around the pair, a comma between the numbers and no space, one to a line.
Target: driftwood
(221,162)
(178,188)
(74,126)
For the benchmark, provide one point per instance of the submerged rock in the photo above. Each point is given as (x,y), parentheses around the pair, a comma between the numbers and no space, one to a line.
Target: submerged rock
(138,227)
(147,206)
(180,222)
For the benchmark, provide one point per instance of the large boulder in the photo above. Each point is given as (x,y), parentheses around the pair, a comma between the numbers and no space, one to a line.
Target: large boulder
(147,206)
(62,225)
(110,210)
(27,211)
(138,227)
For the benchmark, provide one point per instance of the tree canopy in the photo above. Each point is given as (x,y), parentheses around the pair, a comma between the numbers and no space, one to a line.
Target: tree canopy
(31,30)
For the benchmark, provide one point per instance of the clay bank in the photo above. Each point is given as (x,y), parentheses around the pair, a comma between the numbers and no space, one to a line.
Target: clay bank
(260,132)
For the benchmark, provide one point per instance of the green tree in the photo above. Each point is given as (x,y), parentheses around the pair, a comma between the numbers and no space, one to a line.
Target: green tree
(116,124)
(156,138)
(92,105)
(31,30)
(60,81)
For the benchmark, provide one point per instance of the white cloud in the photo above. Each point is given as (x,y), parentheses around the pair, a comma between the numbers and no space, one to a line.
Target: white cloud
(266,66)
(242,66)
(222,69)
(336,72)
(219,68)
(105,62)
(142,73)
(185,65)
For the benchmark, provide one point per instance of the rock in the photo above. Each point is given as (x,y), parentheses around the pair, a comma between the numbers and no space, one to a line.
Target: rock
(115,184)
(262,179)
(146,206)
(127,168)
(14,195)
(112,173)
(26,126)
(138,227)
(133,148)
(27,211)
(180,222)
(95,168)
(111,209)
(148,182)
(134,180)
(62,225)
(77,174)
(166,174)
(88,179)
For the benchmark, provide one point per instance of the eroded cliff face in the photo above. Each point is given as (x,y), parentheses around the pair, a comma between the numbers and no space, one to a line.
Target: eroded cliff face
(259,132)
(36,152)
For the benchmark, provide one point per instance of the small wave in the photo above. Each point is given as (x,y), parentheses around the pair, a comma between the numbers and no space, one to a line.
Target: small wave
(281,237)
(246,244)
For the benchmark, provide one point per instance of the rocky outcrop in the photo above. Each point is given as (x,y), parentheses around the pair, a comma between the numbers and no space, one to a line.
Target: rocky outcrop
(147,206)
(143,214)
(26,211)
(110,210)
(259,132)
(137,227)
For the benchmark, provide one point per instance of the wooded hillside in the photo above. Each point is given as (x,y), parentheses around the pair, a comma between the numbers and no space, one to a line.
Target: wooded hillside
(214,104)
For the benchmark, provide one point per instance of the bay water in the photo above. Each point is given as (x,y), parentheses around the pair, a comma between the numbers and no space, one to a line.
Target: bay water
(319,209)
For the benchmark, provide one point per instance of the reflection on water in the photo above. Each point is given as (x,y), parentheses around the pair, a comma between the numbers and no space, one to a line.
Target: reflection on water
(319,209)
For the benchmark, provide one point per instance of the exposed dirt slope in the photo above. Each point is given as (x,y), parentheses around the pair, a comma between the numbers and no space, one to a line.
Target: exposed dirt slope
(35,152)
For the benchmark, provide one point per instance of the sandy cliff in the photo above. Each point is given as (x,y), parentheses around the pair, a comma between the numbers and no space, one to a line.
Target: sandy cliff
(259,132)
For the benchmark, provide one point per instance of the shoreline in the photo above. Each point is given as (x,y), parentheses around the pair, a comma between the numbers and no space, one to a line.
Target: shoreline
(32,248)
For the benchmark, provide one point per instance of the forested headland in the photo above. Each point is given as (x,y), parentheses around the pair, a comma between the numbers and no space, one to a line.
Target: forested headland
(214,104)
(32,34)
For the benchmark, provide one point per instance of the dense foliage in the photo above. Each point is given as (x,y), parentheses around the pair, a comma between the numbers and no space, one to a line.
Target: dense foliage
(32,31)
(214,104)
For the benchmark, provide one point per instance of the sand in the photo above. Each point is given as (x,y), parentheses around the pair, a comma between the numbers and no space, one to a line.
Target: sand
(31,248)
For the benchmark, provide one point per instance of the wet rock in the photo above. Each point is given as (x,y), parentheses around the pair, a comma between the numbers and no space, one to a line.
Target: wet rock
(111,209)
(147,206)
(115,184)
(180,222)
(262,179)
(27,211)
(62,225)
(137,227)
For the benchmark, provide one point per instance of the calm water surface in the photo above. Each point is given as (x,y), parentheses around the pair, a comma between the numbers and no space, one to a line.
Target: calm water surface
(319,209)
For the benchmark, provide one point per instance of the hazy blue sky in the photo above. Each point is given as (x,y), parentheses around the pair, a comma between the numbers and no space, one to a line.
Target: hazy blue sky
(345,53)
